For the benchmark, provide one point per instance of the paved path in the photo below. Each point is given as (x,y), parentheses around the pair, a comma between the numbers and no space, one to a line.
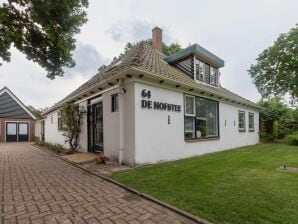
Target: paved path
(36,187)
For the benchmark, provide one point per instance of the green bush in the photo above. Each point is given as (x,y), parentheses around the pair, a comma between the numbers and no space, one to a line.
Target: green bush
(292,139)
(266,137)
(53,147)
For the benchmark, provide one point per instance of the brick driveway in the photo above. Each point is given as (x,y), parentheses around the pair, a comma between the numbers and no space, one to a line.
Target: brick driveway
(36,187)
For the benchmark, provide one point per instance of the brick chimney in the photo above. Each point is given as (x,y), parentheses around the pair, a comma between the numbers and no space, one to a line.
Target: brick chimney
(157,38)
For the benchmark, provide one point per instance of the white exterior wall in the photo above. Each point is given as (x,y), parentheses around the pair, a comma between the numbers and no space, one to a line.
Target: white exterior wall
(52,135)
(83,141)
(37,130)
(156,140)
(110,126)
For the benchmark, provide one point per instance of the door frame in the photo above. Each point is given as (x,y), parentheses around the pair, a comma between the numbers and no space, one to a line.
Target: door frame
(17,122)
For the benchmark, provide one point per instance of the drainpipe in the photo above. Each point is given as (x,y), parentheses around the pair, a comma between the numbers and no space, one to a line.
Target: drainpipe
(121,121)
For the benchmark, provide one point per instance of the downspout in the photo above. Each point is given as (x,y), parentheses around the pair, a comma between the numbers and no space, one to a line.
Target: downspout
(121,121)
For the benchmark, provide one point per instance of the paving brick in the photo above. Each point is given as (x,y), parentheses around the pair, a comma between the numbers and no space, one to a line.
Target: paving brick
(39,188)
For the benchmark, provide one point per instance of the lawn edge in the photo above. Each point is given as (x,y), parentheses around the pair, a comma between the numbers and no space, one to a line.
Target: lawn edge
(143,195)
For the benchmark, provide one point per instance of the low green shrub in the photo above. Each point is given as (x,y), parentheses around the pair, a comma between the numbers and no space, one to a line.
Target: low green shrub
(265,137)
(292,139)
(53,147)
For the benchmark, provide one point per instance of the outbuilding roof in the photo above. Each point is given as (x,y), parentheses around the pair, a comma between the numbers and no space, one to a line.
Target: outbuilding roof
(142,57)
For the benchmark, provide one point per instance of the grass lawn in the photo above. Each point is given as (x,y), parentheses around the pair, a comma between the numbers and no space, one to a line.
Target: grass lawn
(235,186)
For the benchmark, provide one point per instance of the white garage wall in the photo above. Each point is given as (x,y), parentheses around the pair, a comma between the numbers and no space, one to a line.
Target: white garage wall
(156,140)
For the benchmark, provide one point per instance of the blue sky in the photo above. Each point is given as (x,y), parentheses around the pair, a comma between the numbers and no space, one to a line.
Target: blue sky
(236,31)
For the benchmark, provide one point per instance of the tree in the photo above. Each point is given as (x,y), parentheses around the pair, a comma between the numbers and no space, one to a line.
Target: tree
(166,49)
(277,119)
(276,69)
(36,112)
(42,30)
(71,118)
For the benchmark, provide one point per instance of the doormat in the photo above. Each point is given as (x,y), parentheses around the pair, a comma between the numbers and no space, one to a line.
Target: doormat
(81,157)
(288,169)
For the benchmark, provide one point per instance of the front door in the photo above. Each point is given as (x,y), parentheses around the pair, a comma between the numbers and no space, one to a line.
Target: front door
(95,129)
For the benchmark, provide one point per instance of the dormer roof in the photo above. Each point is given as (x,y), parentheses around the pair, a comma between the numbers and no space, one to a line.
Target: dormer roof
(199,51)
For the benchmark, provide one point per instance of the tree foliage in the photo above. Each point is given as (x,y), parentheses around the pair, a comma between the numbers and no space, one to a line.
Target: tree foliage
(42,30)
(37,112)
(71,116)
(276,69)
(277,119)
(166,49)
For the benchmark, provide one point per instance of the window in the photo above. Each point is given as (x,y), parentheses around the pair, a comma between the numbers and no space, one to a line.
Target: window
(213,76)
(251,122)
(189,105)
(241,120)
(199,70)
(114,102)
(207,73)
(203,122)
(60,124)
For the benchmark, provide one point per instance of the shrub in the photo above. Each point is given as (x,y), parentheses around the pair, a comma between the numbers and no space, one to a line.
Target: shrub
(53,147)
(266,137)
(292,139)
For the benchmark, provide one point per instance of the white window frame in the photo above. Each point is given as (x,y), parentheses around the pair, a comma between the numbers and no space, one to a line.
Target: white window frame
(253,122)
(194,106)
(244,121)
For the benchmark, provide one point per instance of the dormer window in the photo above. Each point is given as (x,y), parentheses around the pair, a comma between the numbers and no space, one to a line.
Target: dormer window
(205,72)
(197,63)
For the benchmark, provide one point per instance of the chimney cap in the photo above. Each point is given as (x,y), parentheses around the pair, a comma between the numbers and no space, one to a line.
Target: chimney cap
(157,28)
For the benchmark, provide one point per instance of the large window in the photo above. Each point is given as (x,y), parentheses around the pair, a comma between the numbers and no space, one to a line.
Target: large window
(251,122)
(201,118)
(241,120)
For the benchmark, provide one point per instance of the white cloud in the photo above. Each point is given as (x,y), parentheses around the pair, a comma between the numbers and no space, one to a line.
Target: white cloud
(236,31)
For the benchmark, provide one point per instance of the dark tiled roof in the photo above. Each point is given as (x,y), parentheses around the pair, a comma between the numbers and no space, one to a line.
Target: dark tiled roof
(144,57)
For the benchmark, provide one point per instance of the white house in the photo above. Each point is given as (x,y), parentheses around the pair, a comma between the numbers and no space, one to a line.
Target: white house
(146,107)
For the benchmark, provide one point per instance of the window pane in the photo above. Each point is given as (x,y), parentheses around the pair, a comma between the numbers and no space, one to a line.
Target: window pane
(212,129)
(11,128)
(251,121)
(206,118)
(199,70)
(189,105)
(241,118)
(207,73)
(213,76)
(189,127)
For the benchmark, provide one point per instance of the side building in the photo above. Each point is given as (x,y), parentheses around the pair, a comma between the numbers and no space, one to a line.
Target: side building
(146,107)
(16,121)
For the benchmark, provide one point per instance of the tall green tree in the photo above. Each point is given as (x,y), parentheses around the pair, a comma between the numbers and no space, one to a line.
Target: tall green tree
(166,49)
(42,30)
(276,69)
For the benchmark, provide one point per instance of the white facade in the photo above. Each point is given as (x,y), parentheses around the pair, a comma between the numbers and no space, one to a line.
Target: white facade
(151,136)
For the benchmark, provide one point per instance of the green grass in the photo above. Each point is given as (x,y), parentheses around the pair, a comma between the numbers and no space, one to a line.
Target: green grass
(235,186)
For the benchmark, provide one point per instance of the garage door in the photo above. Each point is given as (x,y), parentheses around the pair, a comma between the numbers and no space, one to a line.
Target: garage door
(17,132)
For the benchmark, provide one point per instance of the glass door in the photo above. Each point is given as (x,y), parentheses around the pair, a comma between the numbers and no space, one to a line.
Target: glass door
(23,132)
(11,132)
(95,128)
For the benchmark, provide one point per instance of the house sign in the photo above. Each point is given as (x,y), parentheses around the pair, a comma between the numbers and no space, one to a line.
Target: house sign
(157,105)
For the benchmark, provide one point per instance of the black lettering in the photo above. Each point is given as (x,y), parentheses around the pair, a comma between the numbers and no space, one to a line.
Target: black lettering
(150,104)
(144,103)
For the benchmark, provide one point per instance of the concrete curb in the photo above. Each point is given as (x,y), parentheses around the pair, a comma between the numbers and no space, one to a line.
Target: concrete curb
(168,206)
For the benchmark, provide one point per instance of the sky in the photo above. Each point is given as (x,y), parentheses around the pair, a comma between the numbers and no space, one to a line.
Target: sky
(236,31)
